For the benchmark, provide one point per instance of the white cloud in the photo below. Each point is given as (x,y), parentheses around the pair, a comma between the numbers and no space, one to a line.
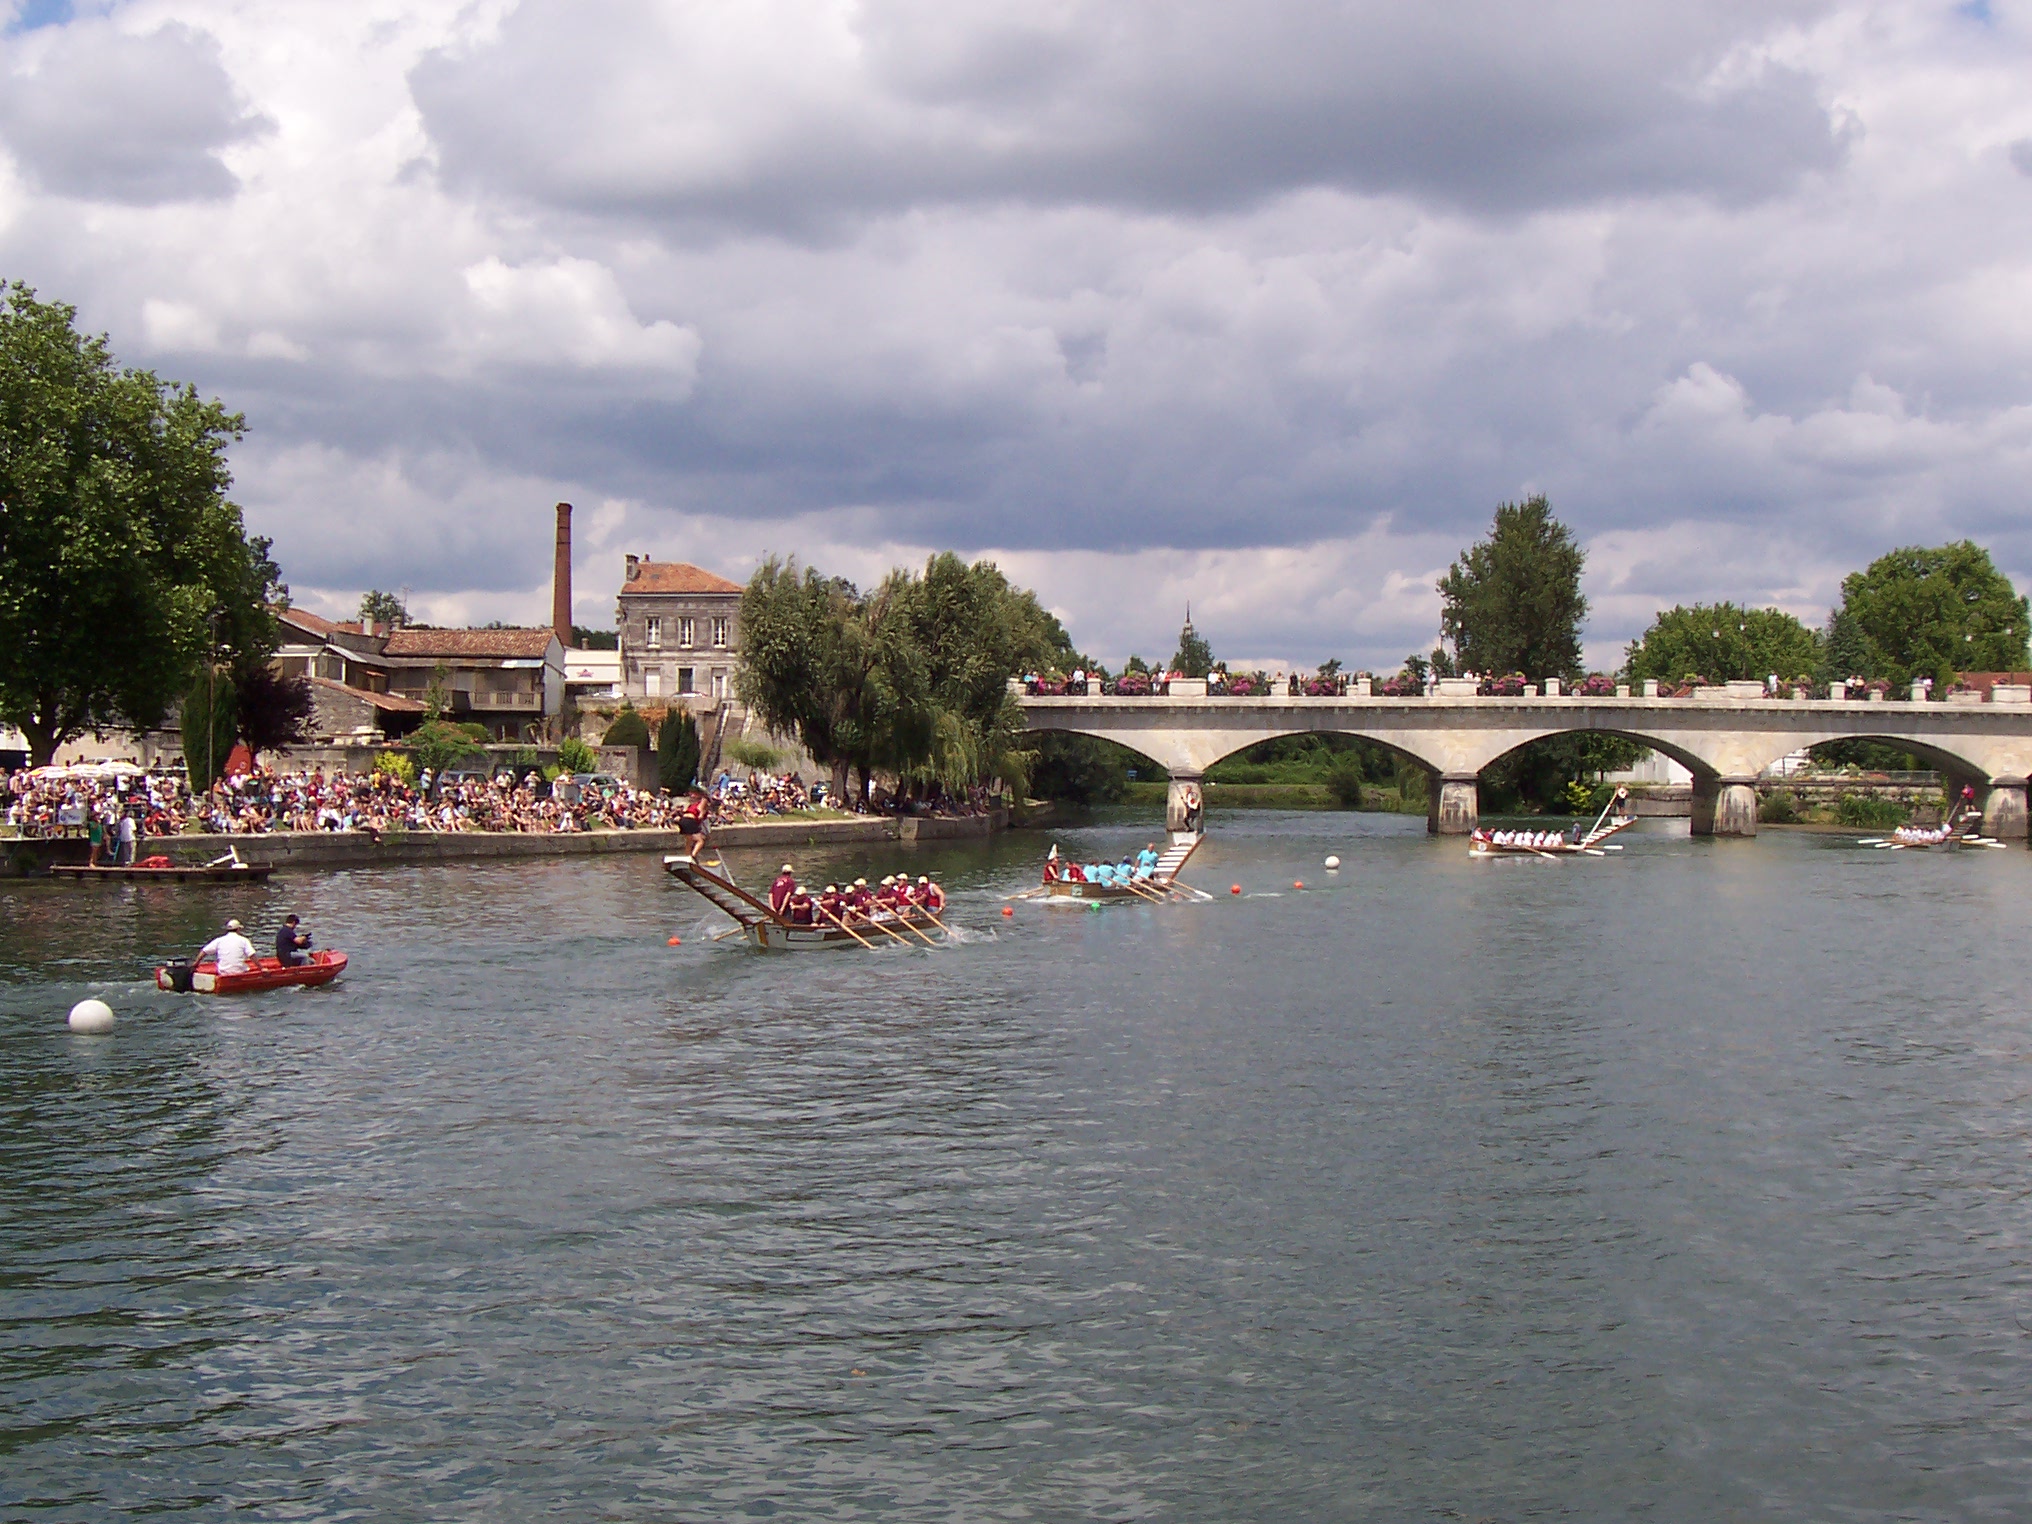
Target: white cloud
(1266,309)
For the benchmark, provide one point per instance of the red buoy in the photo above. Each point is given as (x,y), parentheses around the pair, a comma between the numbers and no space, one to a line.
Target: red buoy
(1234,888)
(673,942)
(1298,883)
(1008,910)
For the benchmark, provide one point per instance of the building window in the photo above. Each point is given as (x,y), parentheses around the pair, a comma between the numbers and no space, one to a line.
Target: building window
(652,634)
(684,675)
(686,635)
(720,634)
(652,684)
(719,685)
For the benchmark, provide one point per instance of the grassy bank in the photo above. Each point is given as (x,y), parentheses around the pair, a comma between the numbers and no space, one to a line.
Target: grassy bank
(1275,796)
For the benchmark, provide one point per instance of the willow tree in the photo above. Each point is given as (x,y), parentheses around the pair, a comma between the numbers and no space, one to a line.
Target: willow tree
(124,568)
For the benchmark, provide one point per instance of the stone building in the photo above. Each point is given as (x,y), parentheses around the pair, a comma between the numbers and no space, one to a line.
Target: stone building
(509,680)
(680,633)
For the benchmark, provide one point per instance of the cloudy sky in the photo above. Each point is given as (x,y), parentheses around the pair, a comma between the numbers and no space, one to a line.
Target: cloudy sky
(1263,306)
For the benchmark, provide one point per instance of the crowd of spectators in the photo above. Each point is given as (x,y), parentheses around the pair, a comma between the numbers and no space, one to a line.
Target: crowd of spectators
(266,800)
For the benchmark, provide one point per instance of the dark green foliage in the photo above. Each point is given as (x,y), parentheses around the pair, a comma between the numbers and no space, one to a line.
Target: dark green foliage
(123,566)
(1870,813)
(575,756)
(677,751)
(1930,613)
(628,729)
(205,748)
(1535,776)
(1724,643)
(439,744)
(272,711)
(1870,756)
(1084,769)
(1344,781)
(911,678)
(1512,602)
(384,609)
(1779,807)
(595,640)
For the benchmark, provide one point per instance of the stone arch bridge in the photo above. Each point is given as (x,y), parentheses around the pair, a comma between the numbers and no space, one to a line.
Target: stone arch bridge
(1726,742)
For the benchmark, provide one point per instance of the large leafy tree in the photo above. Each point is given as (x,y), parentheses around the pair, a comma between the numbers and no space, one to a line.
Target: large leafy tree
(1724,643)
(123,566)
(271,711)
(1512,602)
(1931,613)
(910,678)
(385,609)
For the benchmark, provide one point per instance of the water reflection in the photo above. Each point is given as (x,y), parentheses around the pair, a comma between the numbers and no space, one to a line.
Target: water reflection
(1677,1186)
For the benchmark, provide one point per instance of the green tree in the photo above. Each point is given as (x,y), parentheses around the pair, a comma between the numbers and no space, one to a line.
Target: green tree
(439,744)
(271,711)
(677,750)
(1512,602)
(1195,654)
(384,609)
(1932,613)
(207,746)
(628,729)
(575,756)
(1723,643)
(123,566)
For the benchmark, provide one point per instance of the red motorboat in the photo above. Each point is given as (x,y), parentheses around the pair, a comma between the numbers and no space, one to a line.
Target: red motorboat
(183,977)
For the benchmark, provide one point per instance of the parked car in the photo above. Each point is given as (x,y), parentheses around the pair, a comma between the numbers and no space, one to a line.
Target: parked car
(573,787)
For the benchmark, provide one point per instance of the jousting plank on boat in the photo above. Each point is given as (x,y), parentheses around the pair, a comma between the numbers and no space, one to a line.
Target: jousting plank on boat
(764,928)
(1484,844)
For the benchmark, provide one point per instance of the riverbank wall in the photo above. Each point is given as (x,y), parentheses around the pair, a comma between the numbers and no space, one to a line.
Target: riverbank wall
(352,849)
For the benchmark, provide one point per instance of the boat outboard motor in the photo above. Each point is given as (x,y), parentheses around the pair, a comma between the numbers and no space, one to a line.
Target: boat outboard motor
(179,971)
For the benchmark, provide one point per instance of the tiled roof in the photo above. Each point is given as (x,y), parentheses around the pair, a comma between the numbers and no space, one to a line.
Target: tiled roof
(481,643)
(317,624)
(393,703)
(675,577)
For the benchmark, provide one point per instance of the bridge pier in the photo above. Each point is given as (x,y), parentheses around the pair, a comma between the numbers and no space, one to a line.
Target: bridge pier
(1724,806)
(1455,804)
(2004,809)
(1185,804)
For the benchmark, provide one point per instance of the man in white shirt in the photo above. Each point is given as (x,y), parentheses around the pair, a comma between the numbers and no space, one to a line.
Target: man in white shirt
(233,953)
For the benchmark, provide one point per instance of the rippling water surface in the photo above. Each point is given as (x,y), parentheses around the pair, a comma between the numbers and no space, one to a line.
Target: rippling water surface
(1690,1184)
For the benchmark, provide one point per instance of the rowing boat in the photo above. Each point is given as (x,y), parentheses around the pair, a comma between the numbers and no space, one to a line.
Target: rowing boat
(1158,885)
(1965,832)
(266,974)
(761,926)
(1545,844)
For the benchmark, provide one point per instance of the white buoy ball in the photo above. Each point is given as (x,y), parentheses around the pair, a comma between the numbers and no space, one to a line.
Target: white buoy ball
(1333,863)
(91,1016)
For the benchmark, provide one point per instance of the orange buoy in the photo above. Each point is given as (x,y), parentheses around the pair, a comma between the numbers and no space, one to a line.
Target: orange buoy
(1008,910)
(673,942)
(1298,883)
(1234,888)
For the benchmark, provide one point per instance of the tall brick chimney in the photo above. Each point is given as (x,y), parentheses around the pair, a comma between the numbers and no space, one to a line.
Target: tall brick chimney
(560,578)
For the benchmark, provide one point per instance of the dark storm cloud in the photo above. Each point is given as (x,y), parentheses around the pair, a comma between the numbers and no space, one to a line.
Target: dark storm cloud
(637,106)
(101,115)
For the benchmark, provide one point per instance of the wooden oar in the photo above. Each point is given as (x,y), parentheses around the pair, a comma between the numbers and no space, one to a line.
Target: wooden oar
(930,916)
(882,927)
(904,916)
(1027,894)
(1176,887)
(1141,892)
(843,926)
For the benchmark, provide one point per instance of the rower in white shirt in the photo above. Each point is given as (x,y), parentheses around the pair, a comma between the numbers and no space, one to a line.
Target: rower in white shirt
(232,952)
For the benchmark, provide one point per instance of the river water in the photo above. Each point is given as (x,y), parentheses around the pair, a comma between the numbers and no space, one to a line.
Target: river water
(1688,1184)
